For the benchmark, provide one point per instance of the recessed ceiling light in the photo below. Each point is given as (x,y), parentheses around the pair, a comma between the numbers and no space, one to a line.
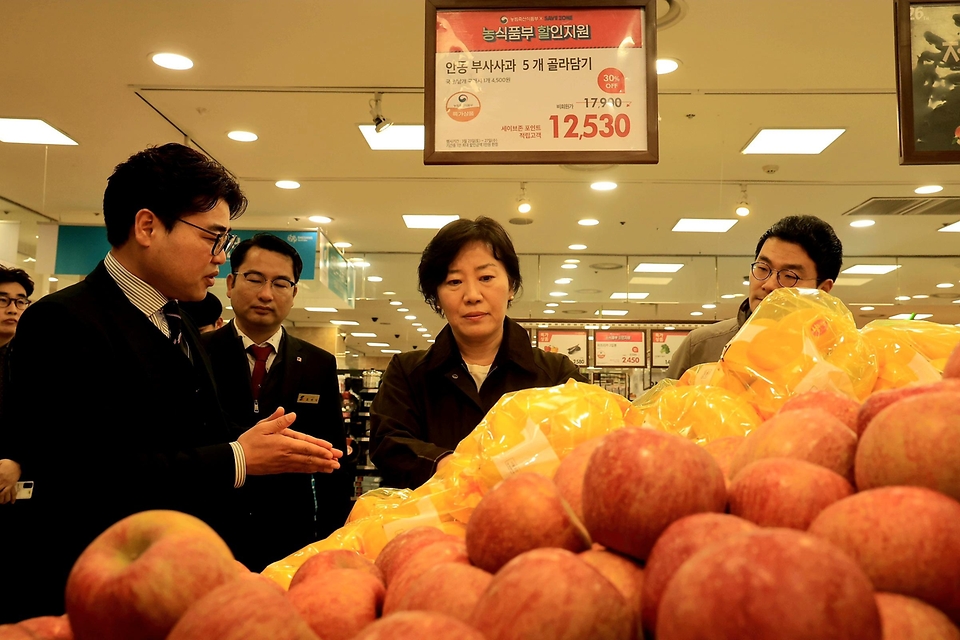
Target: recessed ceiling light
(399,137)
(416,324)
(696,313)
(548,311)
(730,296)
(866,308)
(361,264)
(390,350)
(791,141)
(649,280)
(342,245)
(52,279)
(945,285)
(870,269)
(911,316)
(320,219)
(389,293)
(571,261)
(287,184)
(703,225)
(363,335)
(409,317)
(851,282)
(613,312)
(568,301)
(396,303)
(668,328)
(588,222)
(629,296)
(243,136)
(577,247)
(349,323)
(378,344)
(930,188)
(430,341)
(563,281)
(402,309)
(859,224)
(746,282)
(320,309)
(543,326)
(902,298)
(568,266)
(708,306)
(558,294)
(921,296)
(951,228)
(553,304)
(667,65)
(605,327)
(416,221)
(956,302)
(427,335)
(172,61)
(657,267)
(374,278)
(421,329)
(603,186)
(31,131)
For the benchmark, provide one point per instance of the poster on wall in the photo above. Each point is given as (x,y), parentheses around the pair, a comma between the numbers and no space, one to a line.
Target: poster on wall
(554,83)
(664,345)
(620,349)
(572,344)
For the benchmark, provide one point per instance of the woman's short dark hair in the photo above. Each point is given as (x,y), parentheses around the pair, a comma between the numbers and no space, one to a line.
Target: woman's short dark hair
(19,276)
(172,181)
(267,242)
(816,237)
(450,240)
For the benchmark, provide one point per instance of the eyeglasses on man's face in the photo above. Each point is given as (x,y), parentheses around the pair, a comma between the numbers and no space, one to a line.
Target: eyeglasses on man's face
(787,278)
(223,241)
(21,303)
(256,280)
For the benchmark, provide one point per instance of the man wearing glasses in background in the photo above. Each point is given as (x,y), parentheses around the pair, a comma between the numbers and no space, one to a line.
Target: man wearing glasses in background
(16,287)
(258,366)
(797,251)
(112,352)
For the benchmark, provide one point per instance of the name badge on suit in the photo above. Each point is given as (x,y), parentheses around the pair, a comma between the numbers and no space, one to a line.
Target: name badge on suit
(308,398)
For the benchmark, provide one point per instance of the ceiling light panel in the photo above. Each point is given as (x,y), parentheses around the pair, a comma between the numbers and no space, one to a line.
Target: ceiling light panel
(657,267)
(418,221)
(870,269)
(399,137)
(703,225)
(792,141)
(31,131)
(629,296)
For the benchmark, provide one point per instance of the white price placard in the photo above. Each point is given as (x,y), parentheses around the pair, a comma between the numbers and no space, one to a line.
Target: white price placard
(665,344)
(572,344)
(620,348)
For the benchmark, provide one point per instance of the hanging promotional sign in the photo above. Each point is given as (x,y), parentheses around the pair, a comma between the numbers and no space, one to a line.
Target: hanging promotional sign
(664,345)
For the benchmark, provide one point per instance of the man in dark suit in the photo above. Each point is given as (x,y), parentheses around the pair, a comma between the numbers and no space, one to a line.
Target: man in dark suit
(286,512)
(111,352)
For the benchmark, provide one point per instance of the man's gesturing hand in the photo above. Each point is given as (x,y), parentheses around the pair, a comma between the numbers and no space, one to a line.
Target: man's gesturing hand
(271,447)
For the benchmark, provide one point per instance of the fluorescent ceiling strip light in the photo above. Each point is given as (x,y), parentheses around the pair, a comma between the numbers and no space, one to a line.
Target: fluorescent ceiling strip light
(870,269)
(951,228)
(613,312)
(320,309)
(399,137)
(31,131)
(911,316)
(628,296)
(415,221)
(703,225)
(792,141)
(657,267)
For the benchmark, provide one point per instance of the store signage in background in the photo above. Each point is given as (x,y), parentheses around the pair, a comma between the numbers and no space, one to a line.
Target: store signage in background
(620,349)
(555,84)
(572,344)
(665,344)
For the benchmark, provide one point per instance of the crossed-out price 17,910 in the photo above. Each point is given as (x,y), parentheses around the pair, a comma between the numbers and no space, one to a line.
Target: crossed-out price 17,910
(606,125)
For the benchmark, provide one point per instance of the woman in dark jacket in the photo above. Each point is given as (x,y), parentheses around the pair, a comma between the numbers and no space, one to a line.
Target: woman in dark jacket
(430,400)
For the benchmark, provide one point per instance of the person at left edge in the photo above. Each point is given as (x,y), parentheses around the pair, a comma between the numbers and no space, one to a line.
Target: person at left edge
(283,512)
(116,414)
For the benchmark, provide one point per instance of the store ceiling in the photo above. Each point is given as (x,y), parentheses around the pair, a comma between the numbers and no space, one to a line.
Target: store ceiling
(300,75)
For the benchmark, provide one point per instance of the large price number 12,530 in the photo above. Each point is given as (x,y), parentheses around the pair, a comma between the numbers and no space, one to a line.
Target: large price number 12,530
(610,125)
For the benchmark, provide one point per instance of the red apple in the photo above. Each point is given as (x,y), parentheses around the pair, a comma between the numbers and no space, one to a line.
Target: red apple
(242,610)
(907,618)
(450,588)
(907,539)
(551,593)
(138,577)
(623,573)
(396,552)
(14,632)
(880,400)
(840,406)
(419,625)
(332,559)
(723,450)
(339,603)
(679,543)
(48,627)
(569,475)
(771,584)
(914,441)
(419,561)
(521,513)
(639,481)
(783,492)
(803,434)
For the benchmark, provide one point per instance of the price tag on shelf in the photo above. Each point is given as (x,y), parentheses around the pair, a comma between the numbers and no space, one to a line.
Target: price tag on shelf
(620,348)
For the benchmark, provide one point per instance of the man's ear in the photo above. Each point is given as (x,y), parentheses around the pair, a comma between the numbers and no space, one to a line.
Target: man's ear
(145,225)
(218,323)
(295,289)
(826,285)
(230,283)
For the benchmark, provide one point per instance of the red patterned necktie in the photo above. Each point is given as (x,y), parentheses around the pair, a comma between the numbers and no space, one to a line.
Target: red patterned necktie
(260,355)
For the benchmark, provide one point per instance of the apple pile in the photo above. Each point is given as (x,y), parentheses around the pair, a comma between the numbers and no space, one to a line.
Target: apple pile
(833,519)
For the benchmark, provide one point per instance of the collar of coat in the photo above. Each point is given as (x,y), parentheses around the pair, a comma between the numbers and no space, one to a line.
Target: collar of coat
(514,348)
(744,312)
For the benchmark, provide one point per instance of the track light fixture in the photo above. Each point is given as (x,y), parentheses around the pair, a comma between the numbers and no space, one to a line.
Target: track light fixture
(523,205)
(380,123)
(743,208)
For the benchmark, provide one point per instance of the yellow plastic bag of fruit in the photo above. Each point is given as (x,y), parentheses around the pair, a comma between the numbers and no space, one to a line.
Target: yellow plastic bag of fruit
(798,340)
(910,351)
(700,412)
(529,430)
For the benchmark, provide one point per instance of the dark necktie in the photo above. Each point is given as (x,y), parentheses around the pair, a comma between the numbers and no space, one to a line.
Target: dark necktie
(260,355)
(171,311)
